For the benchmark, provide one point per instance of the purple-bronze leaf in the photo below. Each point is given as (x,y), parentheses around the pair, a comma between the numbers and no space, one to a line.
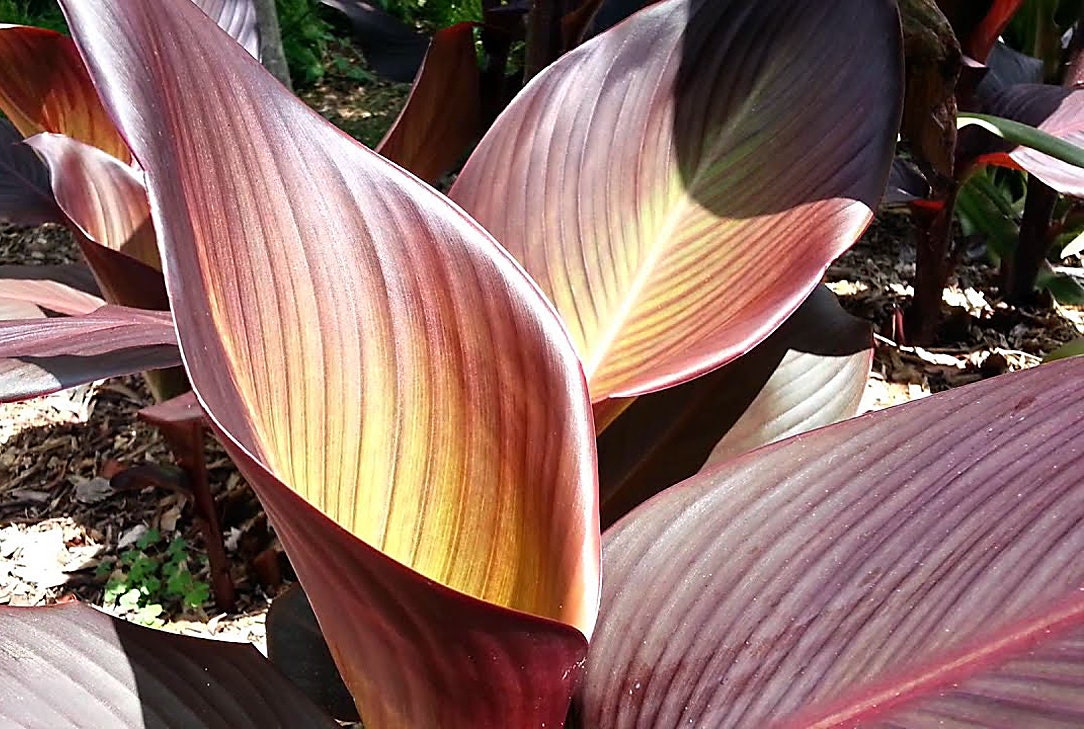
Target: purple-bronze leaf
(25,197)
(103,330)
(679,184)
(919,566)
(810,372)
(72,667)
(378,367)
(1054,110)
(237,18)
(18,283)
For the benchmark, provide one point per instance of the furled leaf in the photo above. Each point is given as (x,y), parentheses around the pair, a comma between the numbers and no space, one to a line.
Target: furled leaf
(442,115)
(1058,113)
(103,330)
(25,198)
(978,23)
(383,373)
(103,197)
(811,372)
(919,566)
(678,185)
(44,87)
(68,666)
(905,184)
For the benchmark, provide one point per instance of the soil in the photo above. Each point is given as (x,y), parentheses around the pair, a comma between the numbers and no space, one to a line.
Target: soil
(62,524)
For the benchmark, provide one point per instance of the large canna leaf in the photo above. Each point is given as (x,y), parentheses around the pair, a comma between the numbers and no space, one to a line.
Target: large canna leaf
(443,113)
(70,666)
(916,567)
(678,185)
(103,330)
(403,399)
(45,88)
(810,372)
(1057,111)
(25,198)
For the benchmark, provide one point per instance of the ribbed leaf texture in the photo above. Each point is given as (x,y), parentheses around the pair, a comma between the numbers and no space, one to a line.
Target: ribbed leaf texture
(679,184)
(915,567)
(403,399)
(70,666)
(810,372)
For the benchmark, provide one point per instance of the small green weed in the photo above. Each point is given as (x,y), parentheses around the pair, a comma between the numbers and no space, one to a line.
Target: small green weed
(152,577)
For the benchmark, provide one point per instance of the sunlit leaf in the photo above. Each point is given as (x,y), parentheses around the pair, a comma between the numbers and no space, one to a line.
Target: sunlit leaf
(383,373)
(916,567)
(678,185)
(103,330)
(69,666)
(810,372)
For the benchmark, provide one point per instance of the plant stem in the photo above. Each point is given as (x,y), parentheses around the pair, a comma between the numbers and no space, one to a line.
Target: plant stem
(934,261)
(1020,271)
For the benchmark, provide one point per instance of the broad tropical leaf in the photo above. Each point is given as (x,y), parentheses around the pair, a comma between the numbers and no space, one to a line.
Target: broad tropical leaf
(103,330)
(69,666)
(417,374)
(238,19)
(1058,112)
(679,184)
(915,567)
(47,288)
(104,198)
(810,372)
(443,113)
(25,197)
(45,88)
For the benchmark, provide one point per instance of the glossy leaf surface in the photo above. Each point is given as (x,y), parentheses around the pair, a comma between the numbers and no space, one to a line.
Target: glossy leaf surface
(21,283)
(101,196)
(919,566)
(25,197)
(442,115)
(384,374)
(44,87)
(237,18)
(678,185)
(810,372)
(68,666)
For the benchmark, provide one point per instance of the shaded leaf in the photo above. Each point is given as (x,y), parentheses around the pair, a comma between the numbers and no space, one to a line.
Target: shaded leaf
(1074,348)
(44,87)
(646,179)
(1007,67)
(453,381)
(1058,113)
(393,49)
(297,648)
(811,372)
(915,567)
(72,666)
(442,115)
(25,198)
(978,23)
(22,378)
(905,184)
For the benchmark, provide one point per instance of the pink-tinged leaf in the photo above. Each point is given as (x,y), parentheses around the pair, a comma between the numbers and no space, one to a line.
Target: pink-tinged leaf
(810,372)
(70,666)
(443,113)
(25,197)
(679,184)
(919,566)
(44,87)
(237,18)
(104,330)
(48,294)
(379,368)
(74,275)
(101,196)
(1054,110)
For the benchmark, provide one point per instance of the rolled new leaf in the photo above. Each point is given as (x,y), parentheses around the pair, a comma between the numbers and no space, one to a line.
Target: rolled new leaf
(919,566)
(72,667)
(443,113)
(25,197)
(679,184)
(402,398)
(810,372)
